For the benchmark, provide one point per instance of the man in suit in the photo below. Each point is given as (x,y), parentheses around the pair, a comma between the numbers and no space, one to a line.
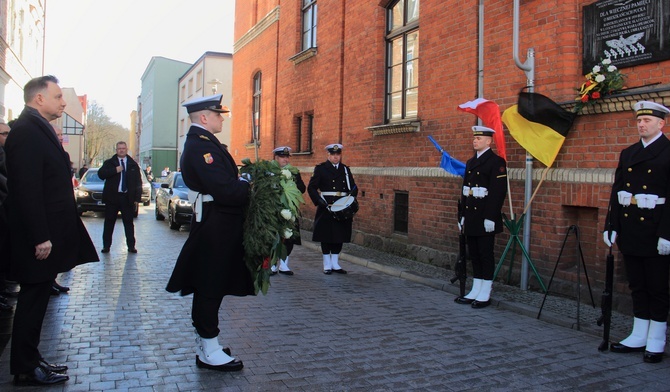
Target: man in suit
(211,263)
(47,234)
(122,192)
(331,180)
(282,155)
(484,191)
(639,223)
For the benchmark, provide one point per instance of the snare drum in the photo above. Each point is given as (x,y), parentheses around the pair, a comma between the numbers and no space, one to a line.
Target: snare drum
(344,208)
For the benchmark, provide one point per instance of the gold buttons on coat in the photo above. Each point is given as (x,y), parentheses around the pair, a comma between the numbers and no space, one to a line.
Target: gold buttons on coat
(649,171)
(625,215)
(630,169)
(644,187)
(628,185)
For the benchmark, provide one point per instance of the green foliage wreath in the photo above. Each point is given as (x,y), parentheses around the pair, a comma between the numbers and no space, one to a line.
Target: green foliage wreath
(271,217)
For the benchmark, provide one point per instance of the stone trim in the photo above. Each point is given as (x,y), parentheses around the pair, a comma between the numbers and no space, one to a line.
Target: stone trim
(302,56)
(395,128)
(267,21)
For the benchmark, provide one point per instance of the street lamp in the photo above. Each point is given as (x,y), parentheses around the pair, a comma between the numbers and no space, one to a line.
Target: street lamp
(215,84)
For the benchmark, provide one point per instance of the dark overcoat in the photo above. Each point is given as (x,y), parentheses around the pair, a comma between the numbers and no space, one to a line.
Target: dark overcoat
(488,171)
(112,178)
(43,205)
(212,259)
(641,170)
(4,224)
(326,178)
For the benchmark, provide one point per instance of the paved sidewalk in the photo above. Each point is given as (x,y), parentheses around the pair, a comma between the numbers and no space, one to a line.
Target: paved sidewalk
(381,327)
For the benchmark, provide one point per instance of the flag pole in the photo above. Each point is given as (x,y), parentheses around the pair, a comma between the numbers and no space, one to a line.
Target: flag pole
(537,188)
(529,68)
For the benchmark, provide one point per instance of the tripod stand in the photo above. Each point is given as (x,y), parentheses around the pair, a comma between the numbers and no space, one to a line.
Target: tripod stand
(583,264)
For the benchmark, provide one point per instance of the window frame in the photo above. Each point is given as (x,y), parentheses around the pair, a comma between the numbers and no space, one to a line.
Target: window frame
(256,105)
(309,9)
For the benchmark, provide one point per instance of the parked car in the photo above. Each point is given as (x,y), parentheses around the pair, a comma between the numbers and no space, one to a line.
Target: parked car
(172,201)
(88,194)
(146,189)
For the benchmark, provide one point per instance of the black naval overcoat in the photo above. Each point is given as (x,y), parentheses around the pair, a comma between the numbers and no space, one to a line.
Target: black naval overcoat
(42,202)
(328,179)
(641,170)
(212,259)
(488,171)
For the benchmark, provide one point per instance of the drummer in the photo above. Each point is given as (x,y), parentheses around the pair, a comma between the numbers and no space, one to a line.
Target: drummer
(331,181)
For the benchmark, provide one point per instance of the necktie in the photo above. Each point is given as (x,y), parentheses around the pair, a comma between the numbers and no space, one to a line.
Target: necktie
(124,186)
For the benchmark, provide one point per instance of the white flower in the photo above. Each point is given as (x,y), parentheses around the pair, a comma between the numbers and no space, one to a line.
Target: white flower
(286,173)
(288,233)
(596,69)
(611,68)
(600,78)
(286,214)
(607,62)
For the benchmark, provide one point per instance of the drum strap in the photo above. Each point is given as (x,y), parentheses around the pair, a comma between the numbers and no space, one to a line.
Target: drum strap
(346,173)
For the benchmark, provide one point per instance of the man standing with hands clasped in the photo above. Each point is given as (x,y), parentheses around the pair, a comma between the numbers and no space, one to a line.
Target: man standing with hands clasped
(122,192)
(484,191)
(639,223)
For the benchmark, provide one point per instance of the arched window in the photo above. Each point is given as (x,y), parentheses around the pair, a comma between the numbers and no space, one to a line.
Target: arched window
(256,110)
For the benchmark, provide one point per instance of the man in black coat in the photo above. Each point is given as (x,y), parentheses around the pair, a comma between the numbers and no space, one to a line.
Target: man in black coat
(4,224)
(122,192)
(211,263)
(639,223)
(282,155)
(331,181)
(47,234)
(484,191)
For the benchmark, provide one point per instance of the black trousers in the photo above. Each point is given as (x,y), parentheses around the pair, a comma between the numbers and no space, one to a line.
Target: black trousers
(127,209)
(205,315)
(328,248)
(648,283)
(31,306)
(480,250)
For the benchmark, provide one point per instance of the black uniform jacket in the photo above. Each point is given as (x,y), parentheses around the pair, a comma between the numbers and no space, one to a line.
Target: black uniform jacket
(641,170)
(328,179)
(488,171)
(212,259)
(108,173)
(43,206)
(300,184)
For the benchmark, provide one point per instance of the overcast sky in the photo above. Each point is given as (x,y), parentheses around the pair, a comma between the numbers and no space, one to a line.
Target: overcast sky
(102,48)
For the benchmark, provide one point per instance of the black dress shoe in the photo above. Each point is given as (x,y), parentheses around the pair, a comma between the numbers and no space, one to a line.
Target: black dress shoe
(272,273)
(327,272)
(480,304)
(62,289)
(286,272)
(40,376)
(463,300)
(620,348)
(132,250)
(232,366)
(340,271)
(650,357)
(52,367)
(105,250)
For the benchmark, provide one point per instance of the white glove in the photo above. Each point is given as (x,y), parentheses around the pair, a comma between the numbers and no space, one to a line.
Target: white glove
(466,191)
(489,225)
(646,201)
(461,223)
(624,198)
(245,177)
(663,247)
(609,237)
(479,192)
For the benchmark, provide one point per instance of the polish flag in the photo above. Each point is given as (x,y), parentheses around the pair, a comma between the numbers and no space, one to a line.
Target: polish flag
(489,112)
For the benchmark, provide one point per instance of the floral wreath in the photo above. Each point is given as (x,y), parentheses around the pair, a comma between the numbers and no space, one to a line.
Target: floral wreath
(604,79)
(270,218)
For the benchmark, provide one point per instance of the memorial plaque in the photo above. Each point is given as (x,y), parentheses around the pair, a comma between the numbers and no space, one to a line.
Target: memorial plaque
(628,32)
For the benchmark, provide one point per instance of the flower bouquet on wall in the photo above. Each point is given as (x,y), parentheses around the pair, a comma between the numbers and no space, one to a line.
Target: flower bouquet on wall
(270,218)
(604,79)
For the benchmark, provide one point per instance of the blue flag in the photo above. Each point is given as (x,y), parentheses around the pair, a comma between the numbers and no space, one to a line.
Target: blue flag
(448,163)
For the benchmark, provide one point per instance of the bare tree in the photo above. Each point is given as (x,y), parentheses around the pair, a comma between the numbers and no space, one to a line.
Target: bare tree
(101,135)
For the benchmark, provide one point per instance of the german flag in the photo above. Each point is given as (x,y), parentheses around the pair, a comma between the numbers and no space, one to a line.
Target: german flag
(539,125)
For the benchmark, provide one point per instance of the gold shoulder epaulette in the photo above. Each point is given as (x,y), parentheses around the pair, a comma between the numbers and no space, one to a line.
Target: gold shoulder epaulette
(203,137)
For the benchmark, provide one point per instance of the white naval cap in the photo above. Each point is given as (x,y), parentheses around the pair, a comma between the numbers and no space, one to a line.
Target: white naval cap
(482,131)
(283,151)
(648,108)
(212,102)
(334,148)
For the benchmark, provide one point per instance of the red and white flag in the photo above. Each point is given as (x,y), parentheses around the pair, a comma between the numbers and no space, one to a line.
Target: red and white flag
(489,112)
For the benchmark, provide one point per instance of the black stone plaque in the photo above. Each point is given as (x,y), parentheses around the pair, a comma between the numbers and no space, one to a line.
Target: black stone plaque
(628,32)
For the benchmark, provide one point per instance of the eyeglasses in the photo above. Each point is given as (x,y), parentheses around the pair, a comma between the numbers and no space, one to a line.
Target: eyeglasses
(4,133)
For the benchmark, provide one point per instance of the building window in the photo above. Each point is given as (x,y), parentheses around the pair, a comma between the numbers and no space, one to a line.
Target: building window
(308,24)
(402,53)
(183,93)
(256,109)
(401,212)
(198,80)
(304,137)
(190,87)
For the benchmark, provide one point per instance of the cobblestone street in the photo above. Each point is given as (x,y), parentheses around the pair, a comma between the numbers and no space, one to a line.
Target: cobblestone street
(118,329)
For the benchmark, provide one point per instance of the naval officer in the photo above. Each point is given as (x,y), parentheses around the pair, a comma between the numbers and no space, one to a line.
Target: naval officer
(639,224)
(210,265)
